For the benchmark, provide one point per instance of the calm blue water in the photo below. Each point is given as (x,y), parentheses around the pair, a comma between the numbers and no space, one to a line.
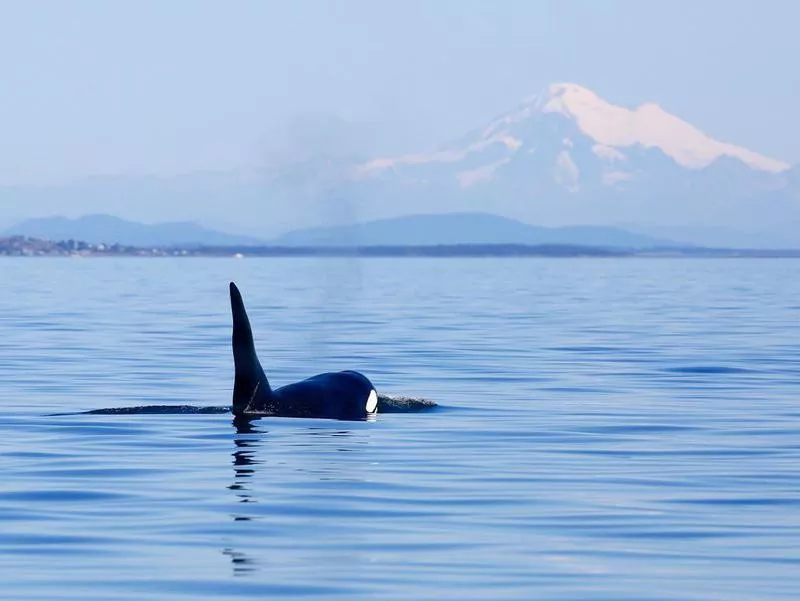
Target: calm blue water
(612,430)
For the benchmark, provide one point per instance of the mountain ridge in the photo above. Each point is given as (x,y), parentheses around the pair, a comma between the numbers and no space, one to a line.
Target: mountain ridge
(568,156)
(411,230)
(466,228)
(610,126)
(108,229)
(559,158)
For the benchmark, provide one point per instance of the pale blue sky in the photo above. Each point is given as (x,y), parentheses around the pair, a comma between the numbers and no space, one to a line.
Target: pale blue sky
(179,85)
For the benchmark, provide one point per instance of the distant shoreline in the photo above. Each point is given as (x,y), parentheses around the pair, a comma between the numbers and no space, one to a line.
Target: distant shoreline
(19,246)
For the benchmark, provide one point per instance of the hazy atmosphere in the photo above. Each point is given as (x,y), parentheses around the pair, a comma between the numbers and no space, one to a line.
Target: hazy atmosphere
(231,97)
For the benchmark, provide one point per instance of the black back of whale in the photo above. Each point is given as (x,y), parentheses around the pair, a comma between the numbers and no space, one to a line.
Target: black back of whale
(334,395)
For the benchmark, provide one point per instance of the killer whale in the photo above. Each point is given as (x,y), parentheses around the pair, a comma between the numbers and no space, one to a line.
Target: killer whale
(340,395)
(345,395)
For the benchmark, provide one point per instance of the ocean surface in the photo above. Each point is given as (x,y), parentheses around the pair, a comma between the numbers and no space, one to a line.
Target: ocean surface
(610,429)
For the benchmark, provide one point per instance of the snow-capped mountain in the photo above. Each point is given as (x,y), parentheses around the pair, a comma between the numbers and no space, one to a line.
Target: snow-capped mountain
(564,157)
(567,156)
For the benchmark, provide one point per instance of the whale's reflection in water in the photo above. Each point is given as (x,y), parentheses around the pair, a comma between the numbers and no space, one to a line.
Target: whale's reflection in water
(242,564)
(251,458)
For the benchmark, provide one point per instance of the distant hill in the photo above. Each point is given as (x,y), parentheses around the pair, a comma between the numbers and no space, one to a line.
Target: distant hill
(106,229)
(464,228)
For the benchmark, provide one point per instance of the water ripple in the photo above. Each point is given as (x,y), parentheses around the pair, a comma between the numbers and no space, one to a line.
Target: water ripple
(610,430)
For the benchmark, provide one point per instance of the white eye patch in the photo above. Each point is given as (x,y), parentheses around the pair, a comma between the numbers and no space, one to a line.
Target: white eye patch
(372,401)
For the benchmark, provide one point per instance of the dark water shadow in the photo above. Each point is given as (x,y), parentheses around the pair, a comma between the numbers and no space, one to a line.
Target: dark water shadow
(242,564)
(250,441)
(244,461)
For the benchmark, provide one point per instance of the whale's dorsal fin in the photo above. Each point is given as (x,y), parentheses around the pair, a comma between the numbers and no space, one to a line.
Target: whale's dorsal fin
(250,385)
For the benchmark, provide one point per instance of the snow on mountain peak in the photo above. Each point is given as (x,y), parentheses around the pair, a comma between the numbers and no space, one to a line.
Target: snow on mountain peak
(649,126)
(611,127)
